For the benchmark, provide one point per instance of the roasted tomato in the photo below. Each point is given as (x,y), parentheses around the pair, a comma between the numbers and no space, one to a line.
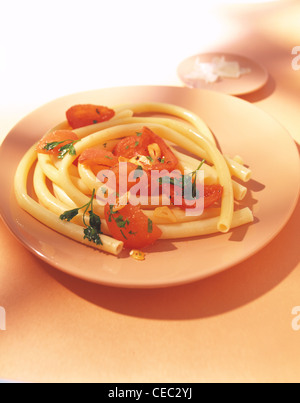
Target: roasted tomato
(212,194)
(132,146)
(133,172)
(62,137)
(98,156)
(165,159)
(147,143)
(131,226)
(86,115)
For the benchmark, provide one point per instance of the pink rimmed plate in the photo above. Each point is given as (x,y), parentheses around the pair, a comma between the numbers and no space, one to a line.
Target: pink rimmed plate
(240,128)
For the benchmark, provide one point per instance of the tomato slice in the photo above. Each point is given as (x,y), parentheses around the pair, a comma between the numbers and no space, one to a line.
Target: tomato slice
(167,161)
(98,156)
(97,169)
(58,136)
(132,226)
(212,194)
(132,146)
(133,171)
(86,115)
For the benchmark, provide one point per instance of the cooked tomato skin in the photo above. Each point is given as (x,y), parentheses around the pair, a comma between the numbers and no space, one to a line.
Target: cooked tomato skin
(170,160)
(98,156)
(131,168)
(137,232)
(132,146)
(212,194)
(88,114)
(65,136)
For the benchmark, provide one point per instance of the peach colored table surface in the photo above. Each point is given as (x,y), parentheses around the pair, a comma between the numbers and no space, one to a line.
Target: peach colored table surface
(235,326)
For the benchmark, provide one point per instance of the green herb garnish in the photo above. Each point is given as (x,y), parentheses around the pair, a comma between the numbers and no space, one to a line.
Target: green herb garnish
(123,234)
(121,223)
(150,226)
(132,233)
(194,179)
(93,230)
(69,215)
(171,181)
(138,173)
(104,190)
(184,180)
(64,150)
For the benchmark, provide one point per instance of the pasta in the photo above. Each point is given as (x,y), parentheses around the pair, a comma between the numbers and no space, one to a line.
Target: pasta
(81,166)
